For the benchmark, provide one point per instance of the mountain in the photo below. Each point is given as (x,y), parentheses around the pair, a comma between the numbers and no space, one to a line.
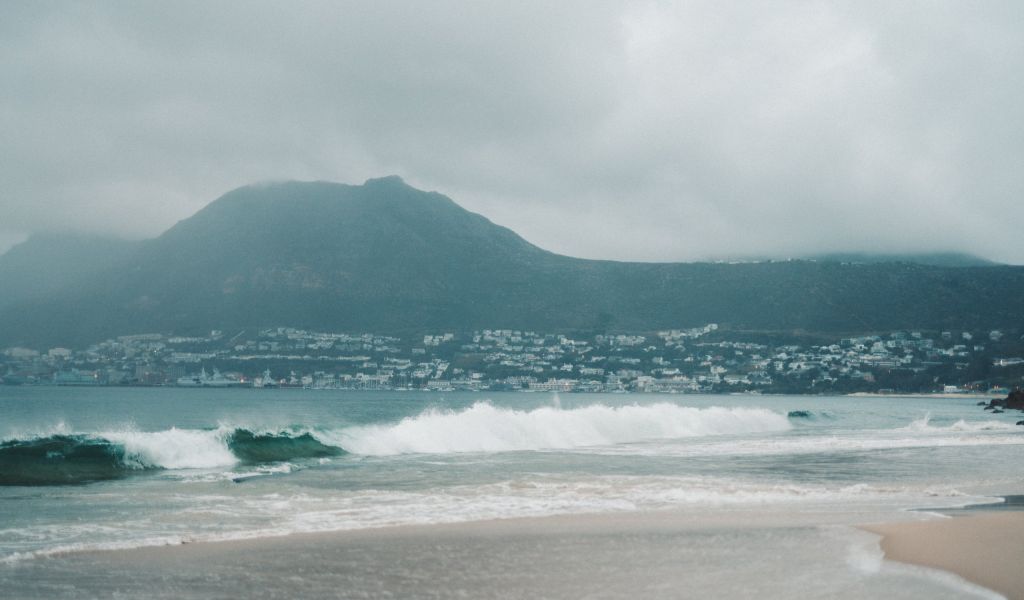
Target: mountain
(46,263)
(385,257)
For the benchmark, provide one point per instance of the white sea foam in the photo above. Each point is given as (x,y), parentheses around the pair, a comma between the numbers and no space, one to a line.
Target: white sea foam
(479,428)
(275,514)
(829,444)
(59,428)
(923,425)
(662,429)
(174,448)
(920,433)
(486,428)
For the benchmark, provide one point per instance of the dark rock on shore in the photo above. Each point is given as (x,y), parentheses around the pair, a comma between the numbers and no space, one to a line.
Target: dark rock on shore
(1015,401)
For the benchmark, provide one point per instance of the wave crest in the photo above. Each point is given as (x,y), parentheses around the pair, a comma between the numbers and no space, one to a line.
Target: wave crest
(486,428)
(275,447)
(56,459)
(74,459)
(61,459)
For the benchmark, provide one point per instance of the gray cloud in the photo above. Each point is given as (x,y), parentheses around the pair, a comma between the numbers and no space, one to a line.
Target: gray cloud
(658,131)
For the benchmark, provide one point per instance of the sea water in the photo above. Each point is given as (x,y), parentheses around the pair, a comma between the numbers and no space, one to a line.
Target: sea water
(86,469)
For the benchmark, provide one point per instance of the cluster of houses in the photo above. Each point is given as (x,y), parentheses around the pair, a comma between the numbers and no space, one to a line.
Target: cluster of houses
(693,360)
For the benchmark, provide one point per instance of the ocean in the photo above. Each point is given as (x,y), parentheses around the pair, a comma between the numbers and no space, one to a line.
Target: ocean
(769,487)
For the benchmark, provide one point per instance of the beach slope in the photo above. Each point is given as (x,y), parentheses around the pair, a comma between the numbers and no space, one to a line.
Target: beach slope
(986,549)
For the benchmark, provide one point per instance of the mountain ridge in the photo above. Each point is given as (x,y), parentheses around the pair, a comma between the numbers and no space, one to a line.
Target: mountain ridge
(386,257)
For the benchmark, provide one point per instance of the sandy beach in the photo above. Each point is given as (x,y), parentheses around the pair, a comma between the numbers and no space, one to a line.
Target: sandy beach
(986,549)
(669,554)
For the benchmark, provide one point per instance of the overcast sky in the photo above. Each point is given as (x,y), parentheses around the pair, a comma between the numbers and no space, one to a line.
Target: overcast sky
(654,131)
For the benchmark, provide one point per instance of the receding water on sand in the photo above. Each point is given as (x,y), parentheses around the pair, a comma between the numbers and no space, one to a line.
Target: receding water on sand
(695,495)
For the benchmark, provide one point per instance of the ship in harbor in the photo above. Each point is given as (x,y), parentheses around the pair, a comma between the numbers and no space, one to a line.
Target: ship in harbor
(266,381)
(204,379)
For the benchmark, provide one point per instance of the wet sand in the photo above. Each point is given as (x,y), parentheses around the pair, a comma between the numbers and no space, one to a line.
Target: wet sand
(986,549)
(725,554)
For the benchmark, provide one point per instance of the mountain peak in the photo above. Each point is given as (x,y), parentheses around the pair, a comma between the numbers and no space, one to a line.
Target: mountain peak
(387,257)
(387,180)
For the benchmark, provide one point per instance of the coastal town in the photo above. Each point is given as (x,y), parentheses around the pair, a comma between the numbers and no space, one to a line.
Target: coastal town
(704,359)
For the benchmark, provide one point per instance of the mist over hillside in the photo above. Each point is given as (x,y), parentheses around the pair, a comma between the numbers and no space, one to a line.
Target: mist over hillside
(386,257)
(937,259)
(48,263)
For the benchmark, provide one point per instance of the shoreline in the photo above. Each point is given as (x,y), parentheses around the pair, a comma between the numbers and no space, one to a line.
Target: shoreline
(985,547)
(722,553)
(961,395)
(650,554)
(956,395)
(634,521)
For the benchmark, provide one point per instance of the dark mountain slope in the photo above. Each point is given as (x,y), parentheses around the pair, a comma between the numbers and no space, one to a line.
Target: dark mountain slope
(46,263)
(386,257)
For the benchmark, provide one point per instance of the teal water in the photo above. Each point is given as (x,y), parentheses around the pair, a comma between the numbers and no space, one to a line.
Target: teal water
(102,468)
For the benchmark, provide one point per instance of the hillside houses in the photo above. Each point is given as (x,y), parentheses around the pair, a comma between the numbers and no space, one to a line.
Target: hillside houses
(694,360)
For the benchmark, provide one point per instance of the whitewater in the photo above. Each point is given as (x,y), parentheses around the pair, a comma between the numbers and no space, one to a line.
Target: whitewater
(60,456)
(104,469)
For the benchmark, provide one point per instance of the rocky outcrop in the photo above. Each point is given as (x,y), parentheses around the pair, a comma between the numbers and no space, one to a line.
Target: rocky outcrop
(1015,401)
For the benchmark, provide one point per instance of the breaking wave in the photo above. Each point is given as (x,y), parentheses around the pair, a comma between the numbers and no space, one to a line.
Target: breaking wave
(61,459)
(486,428)
(80,458)
(65,459)
(270,447)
